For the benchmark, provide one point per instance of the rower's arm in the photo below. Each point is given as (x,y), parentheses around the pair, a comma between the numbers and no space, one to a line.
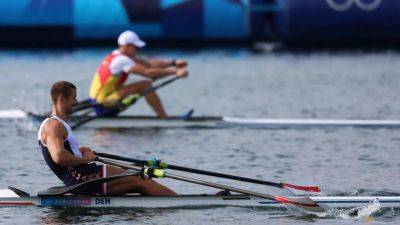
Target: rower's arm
(142,61)
(157,63)
(55,132)
(153,73)
(153,63)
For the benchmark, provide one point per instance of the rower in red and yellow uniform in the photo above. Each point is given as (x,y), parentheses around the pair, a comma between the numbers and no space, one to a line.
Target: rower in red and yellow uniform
(108,85)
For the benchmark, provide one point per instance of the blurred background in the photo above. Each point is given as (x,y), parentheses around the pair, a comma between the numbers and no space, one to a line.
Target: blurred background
(70,22)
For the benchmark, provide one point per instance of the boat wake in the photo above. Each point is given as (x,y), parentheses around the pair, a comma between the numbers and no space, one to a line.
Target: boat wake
(360,212)
(368,212)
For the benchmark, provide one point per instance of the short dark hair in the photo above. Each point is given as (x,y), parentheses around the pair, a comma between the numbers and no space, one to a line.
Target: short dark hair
(63,88)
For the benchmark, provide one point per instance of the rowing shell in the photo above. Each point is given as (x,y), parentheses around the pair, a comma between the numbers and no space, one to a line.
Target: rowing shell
(141,121)
(10,198)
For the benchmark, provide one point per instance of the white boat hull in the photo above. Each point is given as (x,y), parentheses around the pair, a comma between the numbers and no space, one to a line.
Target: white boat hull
(331,202)
(205,121)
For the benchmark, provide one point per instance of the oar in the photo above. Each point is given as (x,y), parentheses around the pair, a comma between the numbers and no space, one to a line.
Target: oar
(85,104)
(126,102)
(54,191)
(163,165)
(305,203)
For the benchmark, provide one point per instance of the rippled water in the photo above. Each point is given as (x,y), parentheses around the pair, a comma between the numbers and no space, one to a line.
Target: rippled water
(233,82)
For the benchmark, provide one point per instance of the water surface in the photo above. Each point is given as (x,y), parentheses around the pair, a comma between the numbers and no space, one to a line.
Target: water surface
(232,82)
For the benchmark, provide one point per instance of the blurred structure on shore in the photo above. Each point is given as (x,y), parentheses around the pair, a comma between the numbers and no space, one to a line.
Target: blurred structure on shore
(89,22)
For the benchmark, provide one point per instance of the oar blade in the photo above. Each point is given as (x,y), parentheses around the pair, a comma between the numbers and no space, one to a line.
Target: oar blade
(302,188)
(305,203)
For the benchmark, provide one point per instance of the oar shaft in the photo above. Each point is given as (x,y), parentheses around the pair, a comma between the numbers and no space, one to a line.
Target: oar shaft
(301,202)
(159,85)
(111,109)
(244,179)
(219,186)
(215,174)
(226,176)
(83,185)
(191,170)
(83,107)
(192,180)
(117,157)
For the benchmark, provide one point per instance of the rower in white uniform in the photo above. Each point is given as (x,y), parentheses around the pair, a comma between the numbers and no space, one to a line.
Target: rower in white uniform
(73,164)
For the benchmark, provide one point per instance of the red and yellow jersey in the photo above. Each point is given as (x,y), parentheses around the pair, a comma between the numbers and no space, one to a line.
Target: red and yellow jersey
(110,76)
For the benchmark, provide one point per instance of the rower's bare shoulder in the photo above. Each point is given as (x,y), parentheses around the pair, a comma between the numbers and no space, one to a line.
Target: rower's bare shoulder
(54,127)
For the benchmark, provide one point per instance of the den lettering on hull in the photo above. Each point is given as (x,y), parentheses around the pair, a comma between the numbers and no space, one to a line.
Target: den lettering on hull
(103,201)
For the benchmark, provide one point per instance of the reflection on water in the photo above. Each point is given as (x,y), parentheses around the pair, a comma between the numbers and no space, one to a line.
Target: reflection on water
(75,215)
(368,214)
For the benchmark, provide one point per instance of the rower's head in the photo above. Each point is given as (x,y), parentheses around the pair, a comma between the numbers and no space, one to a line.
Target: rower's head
(63,96)
(128,41)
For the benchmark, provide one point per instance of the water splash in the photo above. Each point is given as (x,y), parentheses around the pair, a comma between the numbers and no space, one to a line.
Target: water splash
(360,212)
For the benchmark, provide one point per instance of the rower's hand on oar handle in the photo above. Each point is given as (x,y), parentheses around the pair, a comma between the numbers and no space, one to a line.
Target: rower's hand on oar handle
(153,172)
(157,163)
(87,154)
(182,72)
